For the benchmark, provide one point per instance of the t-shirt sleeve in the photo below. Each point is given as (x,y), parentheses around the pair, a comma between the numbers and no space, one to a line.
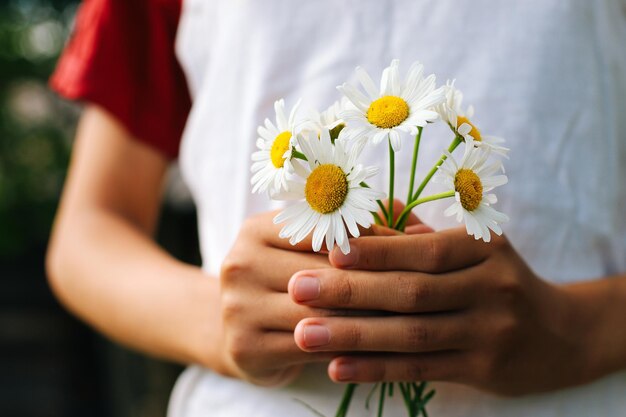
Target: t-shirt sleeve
(121,57)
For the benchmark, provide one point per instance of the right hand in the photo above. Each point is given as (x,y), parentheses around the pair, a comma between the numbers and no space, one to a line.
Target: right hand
(258,315)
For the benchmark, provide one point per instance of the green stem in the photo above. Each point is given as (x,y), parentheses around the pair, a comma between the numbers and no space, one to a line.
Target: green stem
(406,396)
(377,219)
(414,164)
(417,202)
(342,411)
(392,172)
(455,142)
(381,401)
(401,223)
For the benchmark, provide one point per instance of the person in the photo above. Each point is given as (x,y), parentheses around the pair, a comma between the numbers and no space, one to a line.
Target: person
(529,324)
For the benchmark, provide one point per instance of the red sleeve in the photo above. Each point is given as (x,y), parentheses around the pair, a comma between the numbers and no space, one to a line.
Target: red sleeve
(121,57)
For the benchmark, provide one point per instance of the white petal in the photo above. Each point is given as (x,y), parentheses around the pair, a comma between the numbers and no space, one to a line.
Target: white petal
(350,222)
(340,230)
(355,96)
(281,119)
(307,227)
(495,215)
(345,247)
(379,136)
(291,212)
(367,83)
(330,233)
(320,232)
(292,115)
(464,129)
(294,225)
(362,217)
(396,142)
(495,181)
(394,78)
(451,211)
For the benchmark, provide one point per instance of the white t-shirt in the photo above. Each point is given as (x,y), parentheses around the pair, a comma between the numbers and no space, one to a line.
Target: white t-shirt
(548,75)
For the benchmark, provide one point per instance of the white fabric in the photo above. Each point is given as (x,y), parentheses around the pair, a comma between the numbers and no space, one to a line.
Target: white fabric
(548,75)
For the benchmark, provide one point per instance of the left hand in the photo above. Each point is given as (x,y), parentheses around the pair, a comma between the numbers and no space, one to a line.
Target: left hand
(454,309)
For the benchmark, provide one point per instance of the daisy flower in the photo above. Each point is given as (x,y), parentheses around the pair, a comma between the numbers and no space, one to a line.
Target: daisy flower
(272,163)
(394,108)
(471,180)
(328,119)
(330,193)
(452,113)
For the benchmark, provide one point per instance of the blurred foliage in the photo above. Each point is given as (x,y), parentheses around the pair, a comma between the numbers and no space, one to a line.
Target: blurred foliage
(35,126)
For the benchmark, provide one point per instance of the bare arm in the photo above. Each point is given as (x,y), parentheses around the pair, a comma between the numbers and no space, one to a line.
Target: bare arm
(104,266)
(102,262)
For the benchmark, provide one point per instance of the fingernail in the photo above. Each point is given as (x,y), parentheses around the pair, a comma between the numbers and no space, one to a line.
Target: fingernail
(306,288)
(346,371)
(316,335)
(345,260)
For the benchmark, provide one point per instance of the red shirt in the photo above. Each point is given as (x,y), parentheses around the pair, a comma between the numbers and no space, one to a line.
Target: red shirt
(121,57)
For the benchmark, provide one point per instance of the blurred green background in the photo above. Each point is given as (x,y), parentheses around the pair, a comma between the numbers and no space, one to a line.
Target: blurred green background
(50,364)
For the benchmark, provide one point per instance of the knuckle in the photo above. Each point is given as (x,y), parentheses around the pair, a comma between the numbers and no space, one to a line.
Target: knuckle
(353,337)
(485,368)
(435,253)
(406,297)
(417,292)
(418,336)
(344,289)
(232,308)
(377,257)
(377,372)
(509,289)
(238,348)
(507,329)
(232,269)
(415,371)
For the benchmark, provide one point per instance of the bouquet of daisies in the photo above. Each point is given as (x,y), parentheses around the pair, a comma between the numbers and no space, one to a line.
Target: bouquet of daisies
(315,164)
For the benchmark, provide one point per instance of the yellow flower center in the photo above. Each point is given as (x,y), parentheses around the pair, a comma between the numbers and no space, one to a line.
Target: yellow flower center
(326,188)
(387,112)
(474,132)
(279,147)
(468,185)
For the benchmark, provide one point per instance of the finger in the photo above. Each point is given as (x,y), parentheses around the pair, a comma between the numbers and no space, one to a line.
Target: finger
(281,345)
(277,312)
(438,252)
(262,228)
(402,292)
(241,268)
(436,366)
(417,229)
(426,333)
(270,358)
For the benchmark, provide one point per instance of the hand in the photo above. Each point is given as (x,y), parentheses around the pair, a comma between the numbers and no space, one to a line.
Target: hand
(462,311)
(258,314)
